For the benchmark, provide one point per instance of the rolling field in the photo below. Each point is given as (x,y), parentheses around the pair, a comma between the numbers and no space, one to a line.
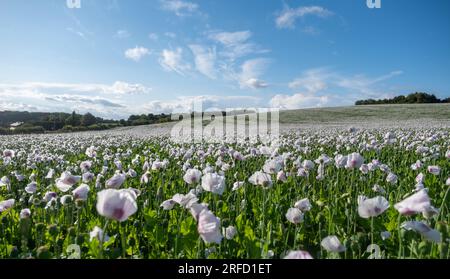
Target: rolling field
(350,183)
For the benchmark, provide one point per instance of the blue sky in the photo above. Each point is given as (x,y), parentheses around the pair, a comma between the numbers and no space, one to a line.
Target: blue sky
(116,58)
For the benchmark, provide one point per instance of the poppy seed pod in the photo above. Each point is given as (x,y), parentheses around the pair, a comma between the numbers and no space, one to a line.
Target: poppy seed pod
(53,230)
(43,253)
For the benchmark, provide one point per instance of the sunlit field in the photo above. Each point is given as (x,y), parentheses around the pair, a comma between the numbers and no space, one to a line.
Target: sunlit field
(356,190)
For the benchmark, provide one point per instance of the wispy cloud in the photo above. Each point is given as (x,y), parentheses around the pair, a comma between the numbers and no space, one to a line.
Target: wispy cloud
(180,8)
(322,87)
(205,59)
(172,60)
(236,44)
(78,33)
(136,53)
(287,17)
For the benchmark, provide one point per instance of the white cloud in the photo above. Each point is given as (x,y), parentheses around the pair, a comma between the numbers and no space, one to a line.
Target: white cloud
(251,70)
(136,53)
(205,59)
(298,101)
(76,32)
(173,61)
(231,38)
(122,34)
(209,103)
(312,81)
(287,17)
(180,8)
(235,44)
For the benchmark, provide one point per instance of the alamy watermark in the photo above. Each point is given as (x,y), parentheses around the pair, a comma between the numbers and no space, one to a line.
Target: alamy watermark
(374,4)
(244,125)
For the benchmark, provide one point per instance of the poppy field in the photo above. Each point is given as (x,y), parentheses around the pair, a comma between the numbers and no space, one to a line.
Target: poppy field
(322,193)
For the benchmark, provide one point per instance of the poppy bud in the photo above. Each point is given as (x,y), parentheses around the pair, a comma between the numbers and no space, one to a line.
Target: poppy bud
(43,253)
(36,201)
(79,203)
(53,230)
(159,193)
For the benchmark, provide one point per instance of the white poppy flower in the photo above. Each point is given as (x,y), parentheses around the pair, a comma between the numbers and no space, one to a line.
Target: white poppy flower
(434,170)
(4,205)
(192,176)
(168,204)
(66,181)
(31,188)
(214,183)
(416,203)
(209,227)
(25,213)
(354,161)
(304,205)
(422,228)
(260,178)
(294,215)
(332,244)
(371,207)
(81,192)
(116,181)
(116,204)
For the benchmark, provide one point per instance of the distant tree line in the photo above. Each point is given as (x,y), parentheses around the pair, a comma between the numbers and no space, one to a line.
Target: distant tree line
(414,98)
(41,122)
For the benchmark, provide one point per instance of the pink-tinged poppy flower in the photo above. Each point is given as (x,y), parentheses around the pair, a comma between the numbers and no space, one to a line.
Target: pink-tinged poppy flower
(364,169)
(49,195)
(416,203)
(304,205)
(209,227)
(434,170)
(5,205)
(372,207)
(116,204)
(168,204)
(273,166)
(354,161)
(214,183)
(423,229)
(185,201)
(85,166)
(31,188)
(294,215)
(81,192)
(260,178)
(116,181)
(9,153)
(196,208)
(192,176)
(25,213)
(238,156)
(391,178)
(298,255)
(332,244)
(66,181)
